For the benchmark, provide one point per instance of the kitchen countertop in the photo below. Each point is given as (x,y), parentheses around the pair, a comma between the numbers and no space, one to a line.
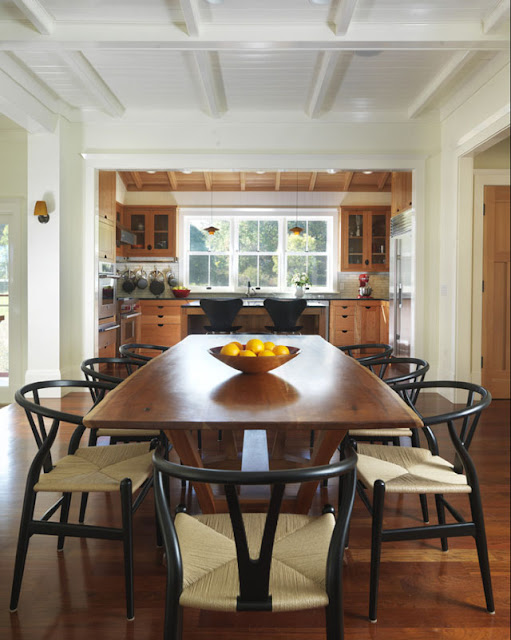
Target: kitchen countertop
(311,298)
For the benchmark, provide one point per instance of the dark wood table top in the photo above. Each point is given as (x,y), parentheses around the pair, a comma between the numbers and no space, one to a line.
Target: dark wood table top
(186,388)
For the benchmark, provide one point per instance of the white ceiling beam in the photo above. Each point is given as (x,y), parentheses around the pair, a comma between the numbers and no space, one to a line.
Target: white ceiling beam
(93,82)
(210,88)
(257,38)
(496,17)
(20,106)
(329,64)
(343,16)
(444,77)
(31,83)
(37,15)
(191,15)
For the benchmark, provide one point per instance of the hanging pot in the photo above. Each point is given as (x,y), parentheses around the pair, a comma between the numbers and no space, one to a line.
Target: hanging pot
(141,279)
(157,284)
(171,279)
(128,284)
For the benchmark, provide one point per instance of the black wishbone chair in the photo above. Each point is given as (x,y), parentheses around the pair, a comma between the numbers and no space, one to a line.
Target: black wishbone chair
(268,561)
(122,469)
(366,353)
(132,350)
(411,470)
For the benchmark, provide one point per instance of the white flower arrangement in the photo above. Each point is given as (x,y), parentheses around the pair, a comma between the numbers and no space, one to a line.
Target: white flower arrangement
(300,279)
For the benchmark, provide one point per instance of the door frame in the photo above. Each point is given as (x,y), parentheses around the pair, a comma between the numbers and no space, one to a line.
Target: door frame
(11,212)
(482,178)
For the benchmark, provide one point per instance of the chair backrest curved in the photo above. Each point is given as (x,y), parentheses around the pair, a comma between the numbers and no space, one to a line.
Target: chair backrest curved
(285,313)
(366,353)
(132,351)
(461,422)
(36,413)
(253,573)
(123,366)
(221,313)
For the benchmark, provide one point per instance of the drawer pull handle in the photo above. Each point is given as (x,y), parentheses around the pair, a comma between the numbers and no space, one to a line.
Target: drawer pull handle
(344,316)
(344,330)
(160,325)
(160,316)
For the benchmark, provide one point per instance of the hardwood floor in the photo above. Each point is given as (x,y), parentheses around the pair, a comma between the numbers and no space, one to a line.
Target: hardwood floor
(424,594)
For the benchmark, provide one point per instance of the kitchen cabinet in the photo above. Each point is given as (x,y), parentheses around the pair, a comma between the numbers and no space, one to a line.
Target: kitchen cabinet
(161,322)
(154,228)
(401,192)
(106,240)
(107,339)
(358,322)
(106,196)
(365,235)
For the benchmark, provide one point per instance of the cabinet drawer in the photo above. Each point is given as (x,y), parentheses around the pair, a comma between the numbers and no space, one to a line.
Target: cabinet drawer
(345,323)
(343,337)
(161,306)
(174,318)
(107,351)
(163,334)
(343,308)
(106,338)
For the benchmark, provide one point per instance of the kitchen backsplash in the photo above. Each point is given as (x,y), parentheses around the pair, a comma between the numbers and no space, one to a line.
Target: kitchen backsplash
(348,284)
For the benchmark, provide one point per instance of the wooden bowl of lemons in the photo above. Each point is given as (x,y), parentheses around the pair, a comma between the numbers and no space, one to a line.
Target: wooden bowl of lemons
(255,356)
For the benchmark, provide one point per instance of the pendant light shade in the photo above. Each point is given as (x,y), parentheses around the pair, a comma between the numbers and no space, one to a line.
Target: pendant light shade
(211,229)
(296,230)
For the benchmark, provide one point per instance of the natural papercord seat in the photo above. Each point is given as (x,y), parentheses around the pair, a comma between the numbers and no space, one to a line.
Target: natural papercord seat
(255,561)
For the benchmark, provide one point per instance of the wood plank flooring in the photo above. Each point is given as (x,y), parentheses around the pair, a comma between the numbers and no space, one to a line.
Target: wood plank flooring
(424,594)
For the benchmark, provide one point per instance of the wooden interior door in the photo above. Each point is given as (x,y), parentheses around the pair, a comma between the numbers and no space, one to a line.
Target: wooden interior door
(496,292)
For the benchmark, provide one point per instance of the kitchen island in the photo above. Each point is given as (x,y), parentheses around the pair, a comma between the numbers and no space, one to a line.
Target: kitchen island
(254,318)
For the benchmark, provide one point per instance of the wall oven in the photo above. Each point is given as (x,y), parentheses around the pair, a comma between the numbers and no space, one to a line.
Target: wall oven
(130,318)
(107,290)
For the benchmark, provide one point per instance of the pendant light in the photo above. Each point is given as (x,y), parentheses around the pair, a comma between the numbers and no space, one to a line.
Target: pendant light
(296,230)
(211,229)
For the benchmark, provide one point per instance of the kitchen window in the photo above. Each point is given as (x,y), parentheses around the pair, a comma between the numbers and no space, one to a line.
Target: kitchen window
(257,249)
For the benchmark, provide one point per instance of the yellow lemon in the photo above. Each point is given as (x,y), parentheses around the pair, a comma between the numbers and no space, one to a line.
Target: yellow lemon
(266,352)
(255,345)
(270,346)
(239,345)
(230,349)
(247,353)
(281,350)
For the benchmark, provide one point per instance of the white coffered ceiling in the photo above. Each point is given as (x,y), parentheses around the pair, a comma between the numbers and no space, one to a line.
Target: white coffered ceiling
(379,60)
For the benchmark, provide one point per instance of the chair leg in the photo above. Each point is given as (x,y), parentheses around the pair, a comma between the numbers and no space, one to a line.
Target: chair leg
(199,440)
(376,539)
(173,620)
(334,621)
(83,507)
(424,507)
(64,515)
(127,528)
(440,509)
(482,549)
(21,551)
(312,437)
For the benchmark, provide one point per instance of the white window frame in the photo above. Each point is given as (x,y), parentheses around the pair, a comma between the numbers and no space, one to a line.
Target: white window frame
(282,215)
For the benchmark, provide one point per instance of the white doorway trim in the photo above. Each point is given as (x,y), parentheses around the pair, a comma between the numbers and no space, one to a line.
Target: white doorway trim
(11,213)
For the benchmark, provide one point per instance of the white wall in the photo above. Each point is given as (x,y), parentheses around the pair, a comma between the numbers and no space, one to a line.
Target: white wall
(496,157)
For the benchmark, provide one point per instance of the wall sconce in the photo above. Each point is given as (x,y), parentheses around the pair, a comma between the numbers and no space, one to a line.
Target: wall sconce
(41,211)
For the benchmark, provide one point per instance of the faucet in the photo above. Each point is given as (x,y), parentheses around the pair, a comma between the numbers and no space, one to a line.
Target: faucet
(250,289)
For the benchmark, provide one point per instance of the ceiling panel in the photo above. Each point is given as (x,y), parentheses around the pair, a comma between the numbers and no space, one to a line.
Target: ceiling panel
(149,79)
(421,11)
(266,80)
(114,10)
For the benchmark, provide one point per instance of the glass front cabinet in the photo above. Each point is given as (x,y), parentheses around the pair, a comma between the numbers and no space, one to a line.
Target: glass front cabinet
(154,230)
(365,235)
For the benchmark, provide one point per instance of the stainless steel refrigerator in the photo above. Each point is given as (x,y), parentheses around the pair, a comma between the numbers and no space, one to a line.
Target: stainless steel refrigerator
(402,283)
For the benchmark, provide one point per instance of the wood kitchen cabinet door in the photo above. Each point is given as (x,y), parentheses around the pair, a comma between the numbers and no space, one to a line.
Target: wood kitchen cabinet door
(368,325)
(154,228)
(365,233)
(401,192)
(106,240)
(106,195)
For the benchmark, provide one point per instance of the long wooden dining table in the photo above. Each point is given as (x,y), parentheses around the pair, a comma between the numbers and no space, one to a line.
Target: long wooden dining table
(186,388)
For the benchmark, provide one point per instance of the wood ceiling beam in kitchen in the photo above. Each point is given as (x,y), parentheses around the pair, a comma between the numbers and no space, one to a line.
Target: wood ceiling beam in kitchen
(277,180)
(348,177)
(383,179)
(242,181)
(312,180)
(208,181)
(171,175)
(136,179)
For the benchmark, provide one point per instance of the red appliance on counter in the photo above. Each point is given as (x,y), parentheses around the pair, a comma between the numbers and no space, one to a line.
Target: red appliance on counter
(364,290)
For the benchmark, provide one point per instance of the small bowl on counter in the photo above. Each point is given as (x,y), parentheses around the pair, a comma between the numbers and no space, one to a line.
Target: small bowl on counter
(181,293)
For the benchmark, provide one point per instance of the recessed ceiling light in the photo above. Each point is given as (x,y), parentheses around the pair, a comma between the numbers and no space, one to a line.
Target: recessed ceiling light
(367,173)
(367,53)
(214,1)
(187,171)
(320,1)
(331,171)
(151,171)
(260,172)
